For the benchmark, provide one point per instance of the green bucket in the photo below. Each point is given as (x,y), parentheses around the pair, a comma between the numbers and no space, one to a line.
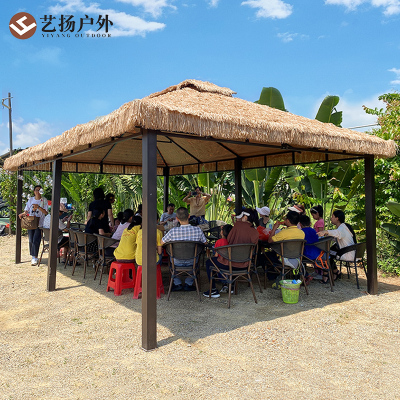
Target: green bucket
(290,291)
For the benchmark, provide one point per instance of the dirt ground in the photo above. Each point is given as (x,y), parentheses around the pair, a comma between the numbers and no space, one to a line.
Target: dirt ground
(81,342)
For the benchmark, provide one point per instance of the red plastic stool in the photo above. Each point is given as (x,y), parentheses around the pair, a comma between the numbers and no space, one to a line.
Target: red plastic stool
(138,284)
(122,280)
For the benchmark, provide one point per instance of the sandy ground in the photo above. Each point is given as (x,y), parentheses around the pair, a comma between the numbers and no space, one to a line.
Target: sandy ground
(81,342)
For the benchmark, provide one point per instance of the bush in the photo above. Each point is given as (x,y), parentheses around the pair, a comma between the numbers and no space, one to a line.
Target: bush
(387,257)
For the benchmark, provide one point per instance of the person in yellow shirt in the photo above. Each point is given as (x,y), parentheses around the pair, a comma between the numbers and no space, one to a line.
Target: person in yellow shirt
(139,242)
(126,250)
(291,231)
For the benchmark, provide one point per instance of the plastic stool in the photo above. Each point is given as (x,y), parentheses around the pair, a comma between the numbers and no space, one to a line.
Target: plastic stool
(138,284)
(122,280)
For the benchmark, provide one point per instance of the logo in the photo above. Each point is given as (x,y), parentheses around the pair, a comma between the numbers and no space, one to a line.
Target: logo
(22,25)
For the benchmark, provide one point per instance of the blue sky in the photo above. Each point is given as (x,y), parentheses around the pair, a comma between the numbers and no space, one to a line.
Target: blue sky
(307,49)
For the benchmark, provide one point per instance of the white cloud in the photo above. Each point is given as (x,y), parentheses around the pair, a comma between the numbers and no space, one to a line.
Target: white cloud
(287,37)
(26,134)
(270,8)
(391,7)
(154,7)
(213,3)
(124,24)
(396,81)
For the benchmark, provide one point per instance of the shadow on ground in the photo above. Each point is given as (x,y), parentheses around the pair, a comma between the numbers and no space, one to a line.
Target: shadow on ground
(189,319)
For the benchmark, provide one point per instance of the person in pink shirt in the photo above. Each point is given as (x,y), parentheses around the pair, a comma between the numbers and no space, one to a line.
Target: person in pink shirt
(317,213)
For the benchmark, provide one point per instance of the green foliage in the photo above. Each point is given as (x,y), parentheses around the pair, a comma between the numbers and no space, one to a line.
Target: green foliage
(389,118)
(271,97)
(388,256)
(327,111)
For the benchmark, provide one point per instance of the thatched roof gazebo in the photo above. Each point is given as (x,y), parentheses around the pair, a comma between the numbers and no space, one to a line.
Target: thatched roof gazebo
(190,128)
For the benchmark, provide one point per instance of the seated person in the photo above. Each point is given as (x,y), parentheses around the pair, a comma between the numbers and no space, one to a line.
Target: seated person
(311,252)
(98,223)
(290,233)
(264,220)
(225,230)
(125,221)
(317,213)
(184,232)
(118,220)
(345,236)
(63,224)
(169,216)
(126,250)
(139,246)
(242,232)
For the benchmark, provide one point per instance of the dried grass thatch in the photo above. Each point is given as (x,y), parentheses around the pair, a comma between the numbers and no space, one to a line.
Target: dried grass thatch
(203,109)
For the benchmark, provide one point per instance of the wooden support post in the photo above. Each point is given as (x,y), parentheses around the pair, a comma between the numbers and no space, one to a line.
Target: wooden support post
(149,226)
(238,185)
(53,243)
(18,230)
(370,222)
(166,187)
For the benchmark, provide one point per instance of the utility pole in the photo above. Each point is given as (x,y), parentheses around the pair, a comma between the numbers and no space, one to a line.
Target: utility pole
(9,119)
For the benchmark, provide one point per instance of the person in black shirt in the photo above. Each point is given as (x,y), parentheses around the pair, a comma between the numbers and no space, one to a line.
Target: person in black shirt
(101,203)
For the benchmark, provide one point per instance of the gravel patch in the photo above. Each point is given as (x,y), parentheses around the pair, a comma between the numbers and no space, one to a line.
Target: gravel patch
(81,342)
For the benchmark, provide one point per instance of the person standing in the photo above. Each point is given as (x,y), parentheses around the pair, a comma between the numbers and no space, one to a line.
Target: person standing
(197,201)
(36,206)
(101,203)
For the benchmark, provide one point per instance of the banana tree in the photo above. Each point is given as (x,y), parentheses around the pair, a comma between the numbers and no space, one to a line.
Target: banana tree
(393,229)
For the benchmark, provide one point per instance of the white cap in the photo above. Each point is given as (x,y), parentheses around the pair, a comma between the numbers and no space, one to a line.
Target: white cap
(295,208)
(263,211)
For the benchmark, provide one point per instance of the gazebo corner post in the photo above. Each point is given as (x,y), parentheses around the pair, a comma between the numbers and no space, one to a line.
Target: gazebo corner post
(54,226)
(18,229)
(370,222)
(149,226)
(238,185)
(166,187)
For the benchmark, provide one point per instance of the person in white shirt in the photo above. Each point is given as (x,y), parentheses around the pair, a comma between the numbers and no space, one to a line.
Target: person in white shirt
(344,236)
(168,218)
(36,206)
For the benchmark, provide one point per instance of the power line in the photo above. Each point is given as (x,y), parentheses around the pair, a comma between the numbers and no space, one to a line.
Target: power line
(363,126)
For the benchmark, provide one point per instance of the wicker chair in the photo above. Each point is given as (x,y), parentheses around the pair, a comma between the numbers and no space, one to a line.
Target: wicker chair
(103,243)
(46,244)
(324,245)
(241,253)
(185,251)
(290,249)
(85,249)
(358,259)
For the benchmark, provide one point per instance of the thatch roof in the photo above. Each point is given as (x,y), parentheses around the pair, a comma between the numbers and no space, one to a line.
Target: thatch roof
(182,114)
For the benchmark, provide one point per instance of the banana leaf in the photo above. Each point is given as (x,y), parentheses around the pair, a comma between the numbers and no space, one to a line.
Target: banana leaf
(271,97)
(324,113)
(395,244)
(394,208)
(392,229)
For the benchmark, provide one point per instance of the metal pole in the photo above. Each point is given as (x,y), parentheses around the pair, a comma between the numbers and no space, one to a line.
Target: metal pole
(10,123)
(149,226)
(18,230)
(55,207)
(238,185)
(370,222)
(166,187)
